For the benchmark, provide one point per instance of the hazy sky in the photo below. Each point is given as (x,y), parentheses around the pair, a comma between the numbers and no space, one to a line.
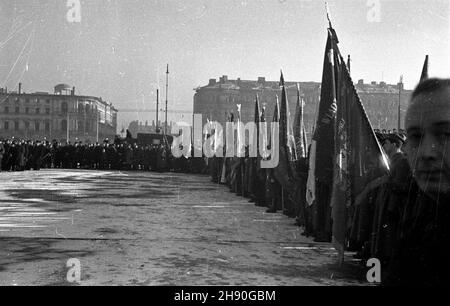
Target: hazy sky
(119,46)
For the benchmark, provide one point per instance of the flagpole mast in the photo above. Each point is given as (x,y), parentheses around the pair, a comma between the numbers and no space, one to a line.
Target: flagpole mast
(328,15)
(157,110)
(167,95)
(400,87)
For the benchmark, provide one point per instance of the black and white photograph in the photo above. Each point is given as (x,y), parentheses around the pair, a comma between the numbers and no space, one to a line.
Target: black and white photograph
(224,148)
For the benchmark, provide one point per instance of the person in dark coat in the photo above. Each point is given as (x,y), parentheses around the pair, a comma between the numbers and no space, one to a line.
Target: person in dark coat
(2,153)
(421,256)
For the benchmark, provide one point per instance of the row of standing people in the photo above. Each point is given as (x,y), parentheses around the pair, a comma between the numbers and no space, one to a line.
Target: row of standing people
(246,178)
(20,155)
(402,218)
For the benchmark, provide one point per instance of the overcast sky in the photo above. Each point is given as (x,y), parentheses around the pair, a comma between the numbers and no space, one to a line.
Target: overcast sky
(119,46)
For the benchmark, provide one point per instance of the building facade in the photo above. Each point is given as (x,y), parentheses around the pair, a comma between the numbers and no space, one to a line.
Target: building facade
(137,127)
(381,103)
(61,116)
(217,99)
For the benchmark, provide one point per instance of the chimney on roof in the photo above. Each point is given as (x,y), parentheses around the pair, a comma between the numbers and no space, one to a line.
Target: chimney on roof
(73,91)
(262,80)
(224,79)
(212,82)
(374,83)
(20,88)
(361,82)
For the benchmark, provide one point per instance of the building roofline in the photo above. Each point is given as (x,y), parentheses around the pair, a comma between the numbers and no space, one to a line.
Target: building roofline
(41,94)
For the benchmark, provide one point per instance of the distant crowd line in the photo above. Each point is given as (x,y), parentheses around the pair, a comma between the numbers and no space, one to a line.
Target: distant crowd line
(21,155)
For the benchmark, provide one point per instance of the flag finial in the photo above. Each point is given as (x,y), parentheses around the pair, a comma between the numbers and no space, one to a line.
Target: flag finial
(424,75)
(281,78)
(349,60)
(328,14)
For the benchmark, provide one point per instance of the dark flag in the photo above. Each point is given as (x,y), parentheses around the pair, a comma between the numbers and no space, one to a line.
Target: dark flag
(285,171)
(236,175)
(226,161)
(254,162)
(257,122)
(299,127)
(275,118)
(129,136)
(322,153)
(357,157)
(276,111)
(424,75)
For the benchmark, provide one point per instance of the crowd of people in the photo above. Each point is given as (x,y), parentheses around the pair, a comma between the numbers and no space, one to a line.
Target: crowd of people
(21,155)
(402,218)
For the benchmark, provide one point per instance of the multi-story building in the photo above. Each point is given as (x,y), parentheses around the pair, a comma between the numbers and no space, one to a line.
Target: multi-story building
(381,103)
(217,99)
(62,116)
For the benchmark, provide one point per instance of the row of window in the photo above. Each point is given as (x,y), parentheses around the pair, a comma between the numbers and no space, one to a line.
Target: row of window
(81,126)
(64,105)
(16,126)
(7,110)
(27,100)
(37,111)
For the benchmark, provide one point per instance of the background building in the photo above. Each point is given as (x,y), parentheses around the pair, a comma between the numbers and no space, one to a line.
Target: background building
(138,127)
(61,116)
(218,98)
(381,103)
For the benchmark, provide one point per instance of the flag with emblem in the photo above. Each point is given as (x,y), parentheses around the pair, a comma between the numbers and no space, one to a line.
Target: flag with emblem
(357,157)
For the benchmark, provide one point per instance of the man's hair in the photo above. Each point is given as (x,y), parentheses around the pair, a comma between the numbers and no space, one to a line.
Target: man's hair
(393,138)
(430,85)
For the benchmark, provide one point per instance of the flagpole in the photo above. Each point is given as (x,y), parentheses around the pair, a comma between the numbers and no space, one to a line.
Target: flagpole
(349,64)
(167,95)
(400,85)
(328,14)
(157,110)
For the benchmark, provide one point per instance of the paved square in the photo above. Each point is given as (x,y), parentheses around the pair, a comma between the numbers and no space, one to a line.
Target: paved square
(140,228)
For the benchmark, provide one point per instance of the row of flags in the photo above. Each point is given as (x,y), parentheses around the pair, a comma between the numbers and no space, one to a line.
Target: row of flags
(344,154)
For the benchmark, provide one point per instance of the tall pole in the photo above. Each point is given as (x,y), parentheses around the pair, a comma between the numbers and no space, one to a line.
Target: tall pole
(349,64)
(157,109)
(68,125)
(400,88)
(167,95)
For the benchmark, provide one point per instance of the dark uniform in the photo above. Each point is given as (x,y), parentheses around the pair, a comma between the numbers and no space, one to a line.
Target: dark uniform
(2,152)
(421,256)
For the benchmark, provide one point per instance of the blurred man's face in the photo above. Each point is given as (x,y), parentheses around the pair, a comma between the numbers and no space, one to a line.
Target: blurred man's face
(388,147)
(428,144)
